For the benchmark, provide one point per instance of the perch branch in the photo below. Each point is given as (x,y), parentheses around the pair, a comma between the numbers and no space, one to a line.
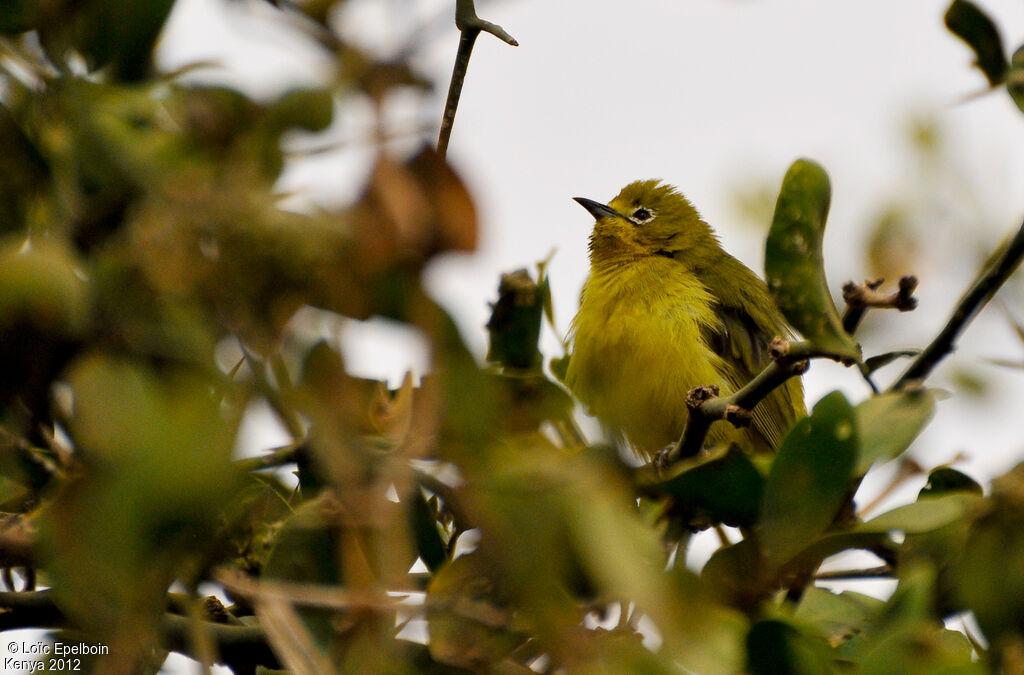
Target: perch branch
(706,407)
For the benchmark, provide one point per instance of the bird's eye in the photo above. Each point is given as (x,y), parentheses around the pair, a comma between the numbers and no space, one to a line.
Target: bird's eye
(642,215)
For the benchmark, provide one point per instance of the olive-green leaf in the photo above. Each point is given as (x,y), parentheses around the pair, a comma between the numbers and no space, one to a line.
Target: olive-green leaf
(423,522)
(945,480)
(777,646)
(18,16)
(721,486)
(793,260)
(922,516)
(969,23)
(881,360)
(1015,81)
(514,327)
(809,479)
(887,424)
(837,615)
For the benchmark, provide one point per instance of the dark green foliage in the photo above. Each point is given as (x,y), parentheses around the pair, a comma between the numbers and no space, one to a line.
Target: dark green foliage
(973,26)
(793,260)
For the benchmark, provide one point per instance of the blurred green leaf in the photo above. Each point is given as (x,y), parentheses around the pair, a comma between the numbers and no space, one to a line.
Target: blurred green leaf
(972,25)
(919,518)
(470,623)
(984,578)
(735,576)
(944,480)
(908,637)
(809,481)
(423,522)
(843,618)
(719,486)
(41,285)
(308,549)
(308,109)
(922,516)
(888,423)
(881,360)
(156,472)
(514,326)
(794,267)
(18,16)
(117,35)
(777,646)
(1015,78)
(24,173)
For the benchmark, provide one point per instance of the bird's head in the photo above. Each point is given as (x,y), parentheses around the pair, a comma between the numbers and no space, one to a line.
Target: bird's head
(647,217)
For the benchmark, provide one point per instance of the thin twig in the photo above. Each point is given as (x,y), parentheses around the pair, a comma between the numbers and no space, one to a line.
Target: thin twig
(990,279)
(859,297)
(470,26)
(273,459)
(880,572)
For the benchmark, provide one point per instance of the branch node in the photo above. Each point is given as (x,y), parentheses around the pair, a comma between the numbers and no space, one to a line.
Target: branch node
(701,394)
(737,416)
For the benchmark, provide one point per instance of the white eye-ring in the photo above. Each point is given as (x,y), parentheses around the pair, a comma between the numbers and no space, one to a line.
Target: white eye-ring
(642,215)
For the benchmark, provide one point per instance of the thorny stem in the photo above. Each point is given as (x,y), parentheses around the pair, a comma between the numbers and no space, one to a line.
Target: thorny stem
(470,25)
(1002,264)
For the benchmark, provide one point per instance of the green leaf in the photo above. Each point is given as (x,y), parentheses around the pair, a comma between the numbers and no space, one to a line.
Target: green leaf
(119,35)
(918,518)
(985,577)
(154,475)
(881,360)
(469,618)
(24,173)
(776,646)
(40,286)
(907,637)
(922,516)
(721,486)
(308,109)
(1015,82)
(18,16)
(945,480)
(308,550)
(887,424)
(793,261)
(809,480)
(429,544)
(839,616)
(969,23)
(514,326)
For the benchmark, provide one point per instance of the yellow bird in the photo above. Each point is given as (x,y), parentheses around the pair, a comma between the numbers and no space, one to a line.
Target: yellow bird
(666,309)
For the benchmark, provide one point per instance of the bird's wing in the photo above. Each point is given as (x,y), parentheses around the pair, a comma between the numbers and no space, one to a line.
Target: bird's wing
(743,345)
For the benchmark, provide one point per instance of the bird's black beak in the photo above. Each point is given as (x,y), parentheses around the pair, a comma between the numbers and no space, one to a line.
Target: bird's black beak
(597,209)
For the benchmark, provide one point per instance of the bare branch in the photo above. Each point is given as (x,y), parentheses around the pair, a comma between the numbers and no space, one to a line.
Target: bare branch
(788,360)
(859,297)
(470,25)
(1002,264)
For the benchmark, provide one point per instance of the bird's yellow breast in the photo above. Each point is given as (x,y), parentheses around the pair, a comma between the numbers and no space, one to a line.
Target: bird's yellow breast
(638,348)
